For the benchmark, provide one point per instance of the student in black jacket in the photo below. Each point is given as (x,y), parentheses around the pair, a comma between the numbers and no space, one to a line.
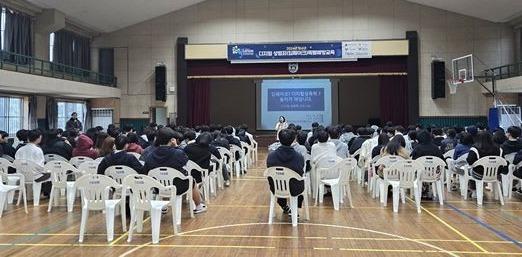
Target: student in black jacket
(7,149)
(168,154)
(426,147)
(485,147)
(120,157)
(286,156)
(512,144)
(356,143)
(199,152)
(229,135)
(57,145)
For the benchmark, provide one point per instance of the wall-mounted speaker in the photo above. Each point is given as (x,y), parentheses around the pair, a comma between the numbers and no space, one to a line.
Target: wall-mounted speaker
(438,80)
(161,83)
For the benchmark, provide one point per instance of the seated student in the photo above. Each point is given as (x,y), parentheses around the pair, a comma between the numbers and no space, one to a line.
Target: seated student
(107,147)
(341,148)
(395,147)
(347,134)
(200,152)
(462,148)
(438,136)
(189,137)
(21,135)
(120,156)
(168,154)
(412,140)
(382,141)
(512,144)
(323,148)
(32,152)
(286,156)
(425,147)
(300,144)
(229,135)
(151,136)
(56,145)
(243,136)
(99,141)
(450,142)
(315,125)
(220,141)
(499,137)
(362,135)
(134,147)
(483,146)
(6,148)
(84,146)
(518,172)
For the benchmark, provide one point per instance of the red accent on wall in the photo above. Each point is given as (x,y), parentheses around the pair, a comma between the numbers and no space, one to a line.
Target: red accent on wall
(378,64)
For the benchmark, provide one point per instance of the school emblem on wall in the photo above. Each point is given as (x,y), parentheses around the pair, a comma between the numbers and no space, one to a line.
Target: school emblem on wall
(293,67)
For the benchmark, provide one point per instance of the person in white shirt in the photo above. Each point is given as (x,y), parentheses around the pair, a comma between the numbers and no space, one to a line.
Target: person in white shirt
(280,125)
(32,152)
(340,147)
(323,147)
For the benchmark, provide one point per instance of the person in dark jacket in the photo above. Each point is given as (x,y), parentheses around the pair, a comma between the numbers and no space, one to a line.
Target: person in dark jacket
(356,143)
(450,142)
(426,147)
(220,141)
(518,158)
(57,145)
(21,135)
(437,136)
(199,152)
(168,154)
(120,157)
(462,148)
(485,146)
(73,123)
(229,135)
(512,144)
(6,148)
(286,156)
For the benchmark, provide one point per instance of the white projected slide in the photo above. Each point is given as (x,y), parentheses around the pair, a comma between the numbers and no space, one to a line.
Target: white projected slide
(300,101)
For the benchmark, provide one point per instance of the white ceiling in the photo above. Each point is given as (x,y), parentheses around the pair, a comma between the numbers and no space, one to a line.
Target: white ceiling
(111,15)
(491,10)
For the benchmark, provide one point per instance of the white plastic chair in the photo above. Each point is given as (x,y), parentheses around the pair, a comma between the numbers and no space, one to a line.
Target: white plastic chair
(385,161)
(141,188)
(324,169)
(95,190)
(281,177)
(449,172)
(491,164)
(166,176)
(7,157)
(433,173)
(13,183)
(227,157)
(402,175)
(340,185)
(253,147)
(238,164)
(59,172)
(76,161)
(248,157)
(137,155)
(89,167)
(99,159)
(27,169)
(205,180)
(372,175)
(358,172)
(54,157)
(118,173)
(513,168)
(307,174)
(507,179)
(215,174)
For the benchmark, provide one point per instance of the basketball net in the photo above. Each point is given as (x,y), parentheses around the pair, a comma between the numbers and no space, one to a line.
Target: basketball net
(453,84)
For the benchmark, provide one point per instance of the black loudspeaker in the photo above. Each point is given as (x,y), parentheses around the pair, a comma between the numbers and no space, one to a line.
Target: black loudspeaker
(438,80)
(161,83)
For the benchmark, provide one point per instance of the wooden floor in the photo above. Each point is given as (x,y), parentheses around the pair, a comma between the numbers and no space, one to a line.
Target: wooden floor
(236,225)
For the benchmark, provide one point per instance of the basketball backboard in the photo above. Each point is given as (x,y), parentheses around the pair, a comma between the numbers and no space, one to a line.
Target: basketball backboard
(462,69)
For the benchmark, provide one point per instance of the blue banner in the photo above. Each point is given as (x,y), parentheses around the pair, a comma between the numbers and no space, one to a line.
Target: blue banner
(295,99)
(287,52)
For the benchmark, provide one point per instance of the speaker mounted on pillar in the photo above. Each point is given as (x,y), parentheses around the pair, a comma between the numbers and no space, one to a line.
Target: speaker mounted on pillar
(161,82)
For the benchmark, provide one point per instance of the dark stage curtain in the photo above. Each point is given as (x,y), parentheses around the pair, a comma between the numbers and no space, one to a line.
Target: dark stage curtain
(18,35)
(72,49)
(198,102)
(394,99)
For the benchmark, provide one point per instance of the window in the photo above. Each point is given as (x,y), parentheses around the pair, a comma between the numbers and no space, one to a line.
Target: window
(65,108)
(101,117)
(51,47)
(11,114)
(2,27)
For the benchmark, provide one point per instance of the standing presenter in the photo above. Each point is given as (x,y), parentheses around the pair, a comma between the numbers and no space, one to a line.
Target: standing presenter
(280,125)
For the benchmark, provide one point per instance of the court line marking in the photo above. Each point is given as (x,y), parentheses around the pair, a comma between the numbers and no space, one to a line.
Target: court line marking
(269,237)
(486,225)
(450,227)
(302,224)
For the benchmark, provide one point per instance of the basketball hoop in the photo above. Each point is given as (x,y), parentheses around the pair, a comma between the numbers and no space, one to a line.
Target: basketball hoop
(453,84)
